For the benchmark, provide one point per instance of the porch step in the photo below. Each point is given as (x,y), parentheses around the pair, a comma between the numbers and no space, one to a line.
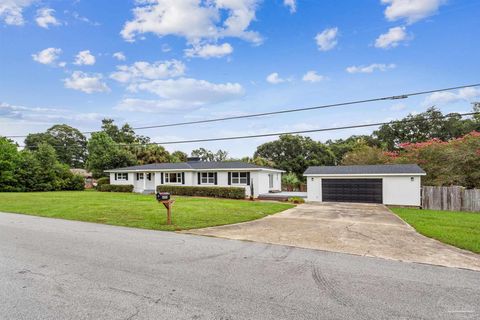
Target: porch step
(148,191)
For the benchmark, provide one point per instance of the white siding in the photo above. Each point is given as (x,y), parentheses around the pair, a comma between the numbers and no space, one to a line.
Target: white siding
(397,190)
(402,191)
(260,181)
(314,189)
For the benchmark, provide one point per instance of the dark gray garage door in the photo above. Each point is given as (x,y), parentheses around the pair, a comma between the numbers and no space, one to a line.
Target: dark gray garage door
(352,190)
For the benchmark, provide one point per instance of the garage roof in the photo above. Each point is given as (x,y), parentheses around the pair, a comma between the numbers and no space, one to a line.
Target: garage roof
(366,169)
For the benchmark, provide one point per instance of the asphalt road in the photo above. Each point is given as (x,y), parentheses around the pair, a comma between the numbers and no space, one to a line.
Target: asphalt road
(56,269)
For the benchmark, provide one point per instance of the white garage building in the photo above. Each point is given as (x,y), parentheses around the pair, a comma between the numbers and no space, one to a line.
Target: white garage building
(396,184)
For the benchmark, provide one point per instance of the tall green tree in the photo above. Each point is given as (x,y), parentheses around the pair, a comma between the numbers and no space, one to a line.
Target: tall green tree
(69,143)
(340,147)
(294,153)
(178,156)
(423,127)
(150,154)
(207,155)
(104,153)
(124,134)
(9,161)
(363,154)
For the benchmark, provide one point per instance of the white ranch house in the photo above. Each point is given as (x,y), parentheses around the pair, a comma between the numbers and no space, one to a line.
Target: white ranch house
(146,178)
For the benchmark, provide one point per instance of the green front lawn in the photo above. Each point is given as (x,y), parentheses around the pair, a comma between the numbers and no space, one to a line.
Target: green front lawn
(135,210)
(460,229)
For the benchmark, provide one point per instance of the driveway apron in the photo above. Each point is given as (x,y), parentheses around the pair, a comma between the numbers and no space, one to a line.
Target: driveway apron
(360,229)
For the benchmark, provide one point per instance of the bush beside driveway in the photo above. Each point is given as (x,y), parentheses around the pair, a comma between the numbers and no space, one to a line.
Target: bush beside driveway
(135,210)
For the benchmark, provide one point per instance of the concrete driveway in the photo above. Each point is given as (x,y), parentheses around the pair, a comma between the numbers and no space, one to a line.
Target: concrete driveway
(361,229)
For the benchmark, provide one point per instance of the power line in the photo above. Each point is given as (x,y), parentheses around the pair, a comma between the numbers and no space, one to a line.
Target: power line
(262,114)
(300,131)
(290,132)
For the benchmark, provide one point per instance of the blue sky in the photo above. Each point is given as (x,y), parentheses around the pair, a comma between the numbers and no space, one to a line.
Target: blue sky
(150,62)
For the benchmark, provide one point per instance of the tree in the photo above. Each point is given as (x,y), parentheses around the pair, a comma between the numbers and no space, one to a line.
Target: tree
(340,147)
(290,181)
(9,161)
(424,126)
(69,143)
(125,134)
(40,170)
(363,154)
(259,161)
(207,155)
(294,153)
(454,162)
(151,154)
(178,156)
(104,154)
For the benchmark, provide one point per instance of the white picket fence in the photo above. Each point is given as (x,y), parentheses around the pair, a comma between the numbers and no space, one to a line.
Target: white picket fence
(454,198)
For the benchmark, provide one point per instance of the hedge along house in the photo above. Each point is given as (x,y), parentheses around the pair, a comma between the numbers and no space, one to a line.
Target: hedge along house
(387,184)
(146,178)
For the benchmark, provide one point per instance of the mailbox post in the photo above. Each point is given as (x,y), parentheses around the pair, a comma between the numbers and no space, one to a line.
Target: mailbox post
(164,198)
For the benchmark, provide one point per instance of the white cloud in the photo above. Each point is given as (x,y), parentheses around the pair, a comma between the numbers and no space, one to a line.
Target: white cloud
(327,39)
(275,78)
(371,68)
(45,17)
(11,11)
(292,4)
(47,56)
(84,58)
(195,20)
(392,38)
(45,115)
(312,76)
(411,10)
(120,56)
(462,95)
(141,70)
(88,83)
(209,51)
(181,93)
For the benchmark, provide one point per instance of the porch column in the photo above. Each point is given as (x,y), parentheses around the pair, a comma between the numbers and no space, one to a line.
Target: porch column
(144,181)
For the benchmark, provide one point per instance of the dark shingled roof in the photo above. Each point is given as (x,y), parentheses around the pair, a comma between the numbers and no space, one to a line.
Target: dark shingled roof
(367,169)
(195,165)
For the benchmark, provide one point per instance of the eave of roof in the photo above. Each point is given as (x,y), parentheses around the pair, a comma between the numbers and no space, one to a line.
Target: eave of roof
(366,170)
(195,166)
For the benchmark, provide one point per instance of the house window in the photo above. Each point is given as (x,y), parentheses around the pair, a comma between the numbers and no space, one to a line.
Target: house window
(239,178)
(122,176)
(208,178)
(149,176)
(270,181)
(140,176)
(173,177)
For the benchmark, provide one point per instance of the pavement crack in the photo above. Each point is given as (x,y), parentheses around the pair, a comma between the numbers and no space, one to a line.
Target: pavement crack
(133,315)
(358,232)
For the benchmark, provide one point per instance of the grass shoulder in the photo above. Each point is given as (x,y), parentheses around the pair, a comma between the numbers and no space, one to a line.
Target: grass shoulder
(136,210)
(457,228)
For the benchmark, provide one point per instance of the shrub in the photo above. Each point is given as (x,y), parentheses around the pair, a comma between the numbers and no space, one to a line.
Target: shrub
(102,181)
(290,181)
(115,188)
(296,200)
(76,182)
(214,192)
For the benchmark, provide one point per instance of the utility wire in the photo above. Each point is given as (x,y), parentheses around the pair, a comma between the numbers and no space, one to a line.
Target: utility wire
(262,114)
(300,131)
(291,132)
